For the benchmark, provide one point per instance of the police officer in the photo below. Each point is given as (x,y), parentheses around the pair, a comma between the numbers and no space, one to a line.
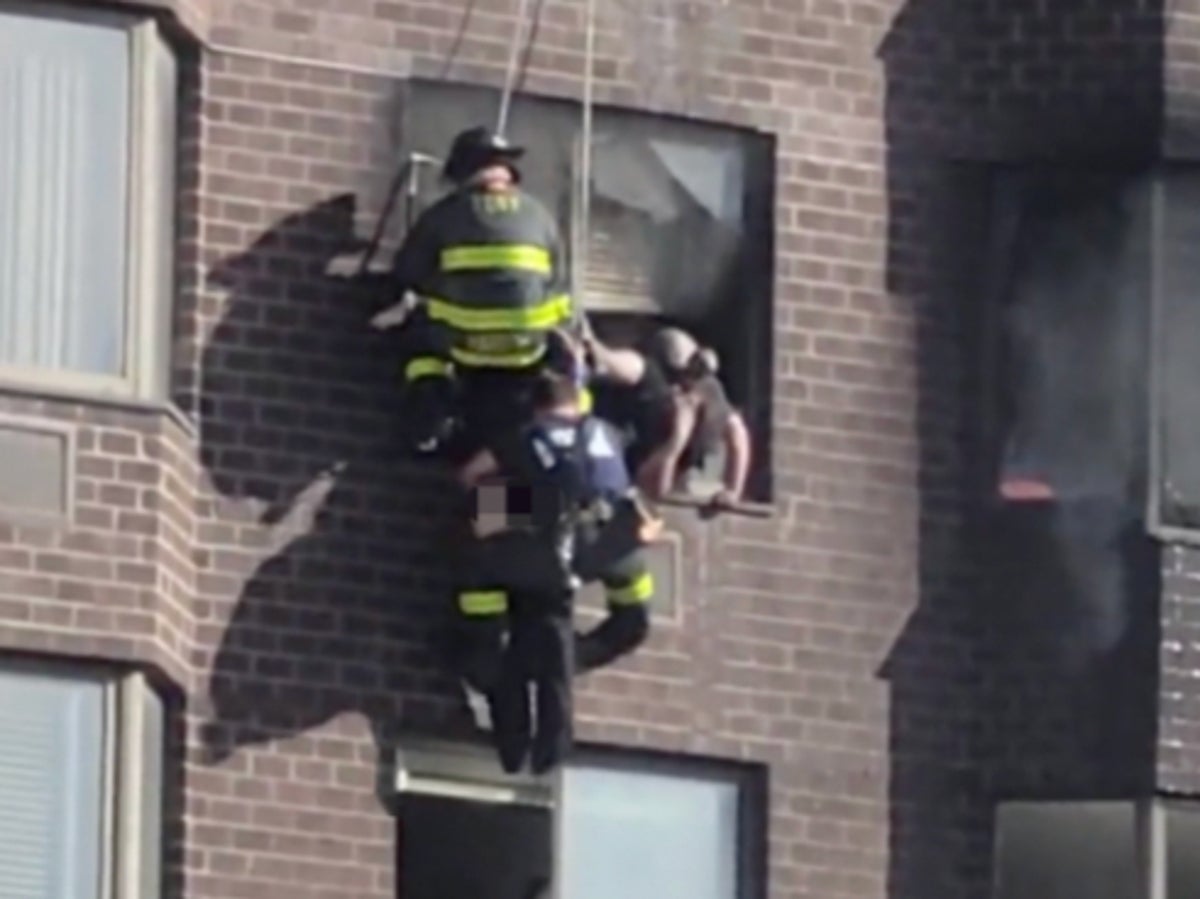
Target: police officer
(487,262)
(582,525)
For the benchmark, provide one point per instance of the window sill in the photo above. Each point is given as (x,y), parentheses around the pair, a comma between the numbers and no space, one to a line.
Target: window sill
(1173,534)
(82,396)
(745,509)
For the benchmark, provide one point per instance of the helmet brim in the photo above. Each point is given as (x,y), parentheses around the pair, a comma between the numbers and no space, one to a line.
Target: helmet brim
(458,169)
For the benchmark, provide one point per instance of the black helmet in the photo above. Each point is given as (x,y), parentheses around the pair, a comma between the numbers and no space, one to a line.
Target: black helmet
(477,148)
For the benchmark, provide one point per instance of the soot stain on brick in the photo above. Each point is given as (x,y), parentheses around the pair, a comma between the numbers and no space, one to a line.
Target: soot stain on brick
(298,413)
(980,709)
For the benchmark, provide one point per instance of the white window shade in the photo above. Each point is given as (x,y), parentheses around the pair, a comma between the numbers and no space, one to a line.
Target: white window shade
(87,168)
(51,786)
(642,835)
(64,125)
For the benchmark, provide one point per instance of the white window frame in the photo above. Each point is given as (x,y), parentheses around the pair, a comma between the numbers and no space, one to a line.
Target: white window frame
(130,858)
(449,770)
(150,220)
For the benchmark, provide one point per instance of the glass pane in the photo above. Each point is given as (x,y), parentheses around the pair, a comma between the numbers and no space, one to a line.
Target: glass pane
(1183,852)
(64,123)
(51,758)
(1177,357)
(645,836)
(1068,850)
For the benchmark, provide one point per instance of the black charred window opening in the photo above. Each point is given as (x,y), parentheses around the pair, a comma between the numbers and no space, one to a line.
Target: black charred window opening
(1071,254)
(1095,317)
(682,224)
(1071,283)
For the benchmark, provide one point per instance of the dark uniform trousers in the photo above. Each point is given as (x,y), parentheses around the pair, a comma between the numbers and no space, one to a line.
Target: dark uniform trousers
(515,629)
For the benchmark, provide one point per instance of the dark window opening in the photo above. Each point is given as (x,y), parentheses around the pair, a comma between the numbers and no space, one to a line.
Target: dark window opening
(1071,275)
(1095,308)
(452,848)
(681,225)
(1070,286)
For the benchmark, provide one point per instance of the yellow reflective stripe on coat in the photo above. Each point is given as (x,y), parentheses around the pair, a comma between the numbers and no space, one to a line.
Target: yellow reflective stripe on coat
(543,316)
(520,257)
(483,602)
(587,401)
(516,359)
(641,590)
(427,367)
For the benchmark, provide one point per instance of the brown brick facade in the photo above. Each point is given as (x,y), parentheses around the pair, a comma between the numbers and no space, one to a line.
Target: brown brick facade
(262,547)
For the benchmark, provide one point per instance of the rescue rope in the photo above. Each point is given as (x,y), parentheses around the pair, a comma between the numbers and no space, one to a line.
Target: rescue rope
(585,170)
(510,73)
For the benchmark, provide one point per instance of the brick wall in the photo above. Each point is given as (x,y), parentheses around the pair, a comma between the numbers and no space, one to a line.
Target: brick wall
(276,561)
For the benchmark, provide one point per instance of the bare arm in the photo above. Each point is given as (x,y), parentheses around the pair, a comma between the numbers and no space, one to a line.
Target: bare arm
(483,464)
(658,473)
(623,366)
(737,454)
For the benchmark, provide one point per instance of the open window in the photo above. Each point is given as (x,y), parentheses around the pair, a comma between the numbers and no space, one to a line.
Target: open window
(1070,283)
(609,824)
(1067,311)
(1094,312)
(1073,850)
(680,225)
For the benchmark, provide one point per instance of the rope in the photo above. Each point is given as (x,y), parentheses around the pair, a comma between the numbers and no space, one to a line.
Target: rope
(530,41)
(408,170)
(585,169)
(510,74)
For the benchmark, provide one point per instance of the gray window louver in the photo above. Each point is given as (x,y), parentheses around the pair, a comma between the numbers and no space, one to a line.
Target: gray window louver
(51,786)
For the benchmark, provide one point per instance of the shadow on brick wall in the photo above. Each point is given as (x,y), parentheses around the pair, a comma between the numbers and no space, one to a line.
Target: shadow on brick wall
(339,612)
(980,709)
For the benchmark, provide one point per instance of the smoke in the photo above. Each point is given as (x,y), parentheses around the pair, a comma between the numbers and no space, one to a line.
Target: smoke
(1076,322)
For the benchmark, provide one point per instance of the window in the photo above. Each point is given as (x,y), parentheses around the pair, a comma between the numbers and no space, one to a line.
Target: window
(680,229)
(1180,825)
(87,158)
(1094,360)
(608,824)
(659,830)
(1067,325)
(1176,497)
(1071,850)
(80,784)
(1070,259)
(1116,849)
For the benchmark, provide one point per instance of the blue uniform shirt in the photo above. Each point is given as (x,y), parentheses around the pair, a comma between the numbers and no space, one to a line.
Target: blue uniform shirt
(589,448)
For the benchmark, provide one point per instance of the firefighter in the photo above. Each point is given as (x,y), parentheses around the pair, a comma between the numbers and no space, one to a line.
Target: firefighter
(672,403)
(488,266)
(576,521)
